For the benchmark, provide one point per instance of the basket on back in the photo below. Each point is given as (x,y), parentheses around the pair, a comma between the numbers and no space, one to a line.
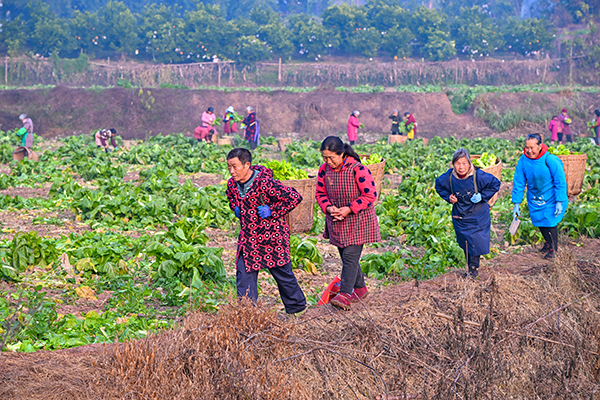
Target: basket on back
(377,170)
(300,219)
(495,170)
(574,165)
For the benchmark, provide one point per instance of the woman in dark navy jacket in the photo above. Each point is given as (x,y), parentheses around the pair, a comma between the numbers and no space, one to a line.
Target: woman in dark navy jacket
(469,189)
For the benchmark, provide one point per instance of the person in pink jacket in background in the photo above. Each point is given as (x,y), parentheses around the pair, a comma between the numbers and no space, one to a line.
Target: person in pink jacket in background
(353,126)
(206,130)
(556,130)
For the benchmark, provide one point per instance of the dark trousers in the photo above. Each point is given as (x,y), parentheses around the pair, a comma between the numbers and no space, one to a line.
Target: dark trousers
(472,261)
(570,138)
(352,143)
(352,275)
(550,236)
(560,136)
(252,144)
(291,295)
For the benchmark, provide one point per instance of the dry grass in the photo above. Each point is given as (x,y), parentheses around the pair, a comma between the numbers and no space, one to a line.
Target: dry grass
(510,336)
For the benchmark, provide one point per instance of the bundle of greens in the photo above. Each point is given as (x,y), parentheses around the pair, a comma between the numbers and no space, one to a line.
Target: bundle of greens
(485,161)
(373,159)
(283,170)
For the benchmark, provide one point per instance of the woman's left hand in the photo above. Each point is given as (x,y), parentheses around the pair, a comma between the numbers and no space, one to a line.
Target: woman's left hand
(341,213)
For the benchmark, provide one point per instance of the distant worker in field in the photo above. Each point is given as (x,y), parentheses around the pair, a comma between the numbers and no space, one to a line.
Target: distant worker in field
(596,127)
(26,132)
(410,125)
(556,130)
(396,121)
(206,130)
(250,124)
(261,204)
(230,120)
(469,189)
(346,194)
(353,125)
(103,136)
(566,121)
(544,176)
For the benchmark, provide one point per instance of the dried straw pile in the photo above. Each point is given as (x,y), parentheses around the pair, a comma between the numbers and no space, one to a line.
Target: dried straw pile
(534,335)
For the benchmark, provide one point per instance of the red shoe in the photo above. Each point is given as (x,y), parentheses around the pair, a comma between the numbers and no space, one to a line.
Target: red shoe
(359,294)
(342,300)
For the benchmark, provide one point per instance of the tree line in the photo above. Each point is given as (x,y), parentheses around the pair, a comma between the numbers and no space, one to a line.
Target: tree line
(170,33)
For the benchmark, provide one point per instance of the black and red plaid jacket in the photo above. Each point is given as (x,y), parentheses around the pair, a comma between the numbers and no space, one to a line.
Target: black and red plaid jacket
(351,186)
(263,243)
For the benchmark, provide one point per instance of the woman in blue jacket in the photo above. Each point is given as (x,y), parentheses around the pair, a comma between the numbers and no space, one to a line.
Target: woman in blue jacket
(469,189)
(544,176)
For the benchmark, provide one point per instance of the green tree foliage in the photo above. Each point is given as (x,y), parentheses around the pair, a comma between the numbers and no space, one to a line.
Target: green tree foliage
(249,31)
(475,32)
(117,26)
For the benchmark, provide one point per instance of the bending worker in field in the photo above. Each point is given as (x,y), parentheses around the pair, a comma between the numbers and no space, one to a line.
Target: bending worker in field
(26,132)
(261,204)
(469,189)
(103,136)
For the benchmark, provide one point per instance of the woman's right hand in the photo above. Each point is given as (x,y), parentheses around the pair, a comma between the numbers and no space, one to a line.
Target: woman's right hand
(453,199)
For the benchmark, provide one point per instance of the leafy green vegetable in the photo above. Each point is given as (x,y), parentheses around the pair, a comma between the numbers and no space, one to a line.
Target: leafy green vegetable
(283,170)
(485,161)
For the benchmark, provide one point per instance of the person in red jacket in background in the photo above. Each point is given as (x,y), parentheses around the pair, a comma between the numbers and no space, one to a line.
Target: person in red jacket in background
(566,121)
(353,126)
(261,204)
(410,125)
(346,193)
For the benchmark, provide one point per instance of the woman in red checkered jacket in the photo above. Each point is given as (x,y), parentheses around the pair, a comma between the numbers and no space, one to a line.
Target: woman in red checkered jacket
(346,193)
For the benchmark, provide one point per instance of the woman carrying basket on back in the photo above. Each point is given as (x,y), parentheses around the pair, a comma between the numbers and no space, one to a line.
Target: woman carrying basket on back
(469,189)
(346,193)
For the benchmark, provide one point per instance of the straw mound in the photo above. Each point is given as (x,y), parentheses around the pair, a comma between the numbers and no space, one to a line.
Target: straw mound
(510,336)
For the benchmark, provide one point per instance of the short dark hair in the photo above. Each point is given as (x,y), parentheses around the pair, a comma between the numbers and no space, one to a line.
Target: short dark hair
(406,114)
(113,131)
(534,136)
(241,154)
(597,112)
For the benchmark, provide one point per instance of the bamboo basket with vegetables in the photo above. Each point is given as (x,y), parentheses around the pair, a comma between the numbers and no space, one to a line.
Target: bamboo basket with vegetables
(283,142)
(393,139)
(376,165)
(574,166)
(23,152)
(492,165)
(300,219)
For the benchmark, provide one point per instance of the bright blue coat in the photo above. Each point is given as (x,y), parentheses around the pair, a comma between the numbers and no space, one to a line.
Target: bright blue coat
(471,220)
(546,185)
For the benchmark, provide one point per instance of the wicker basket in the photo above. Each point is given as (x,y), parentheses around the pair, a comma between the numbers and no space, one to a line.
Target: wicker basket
(283,142)
(377,170)
(225,141)
(495,170)
(128,144)
(397,139)
(23,152)
(425,141)
(574,165)
(300,219)
(214,138)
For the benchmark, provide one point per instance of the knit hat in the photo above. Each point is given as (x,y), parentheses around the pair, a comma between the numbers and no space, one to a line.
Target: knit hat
(22,116)
(211,109)
(564,110)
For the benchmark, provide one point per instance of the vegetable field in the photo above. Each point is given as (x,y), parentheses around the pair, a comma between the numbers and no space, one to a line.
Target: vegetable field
(99,248)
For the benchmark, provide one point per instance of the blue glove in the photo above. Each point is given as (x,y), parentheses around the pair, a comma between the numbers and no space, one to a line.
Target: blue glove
(516,211)
(476,198)
(559,209)
(236,211)
(264,211)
